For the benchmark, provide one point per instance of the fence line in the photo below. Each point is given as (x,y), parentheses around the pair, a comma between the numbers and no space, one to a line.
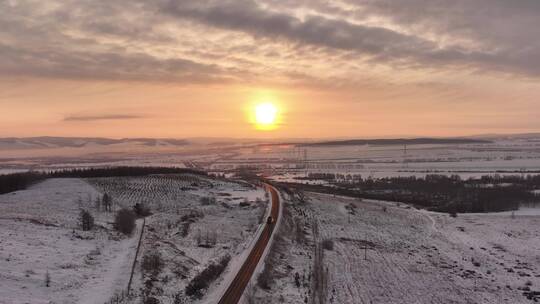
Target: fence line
(136,255)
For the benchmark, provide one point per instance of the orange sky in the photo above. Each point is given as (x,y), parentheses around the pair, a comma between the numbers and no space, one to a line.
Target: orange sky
(186,69)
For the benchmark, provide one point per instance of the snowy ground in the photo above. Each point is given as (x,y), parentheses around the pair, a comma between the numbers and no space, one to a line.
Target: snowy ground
(188,232)
(39,234)
(385,253)
(349,251)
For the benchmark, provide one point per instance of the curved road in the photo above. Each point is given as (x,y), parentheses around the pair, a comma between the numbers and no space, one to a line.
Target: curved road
(236,289)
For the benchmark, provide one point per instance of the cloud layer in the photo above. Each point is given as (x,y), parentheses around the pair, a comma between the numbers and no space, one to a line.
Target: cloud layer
(266,40)
(92,118)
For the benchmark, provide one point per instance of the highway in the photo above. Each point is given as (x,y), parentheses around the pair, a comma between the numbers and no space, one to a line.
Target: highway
(234,292)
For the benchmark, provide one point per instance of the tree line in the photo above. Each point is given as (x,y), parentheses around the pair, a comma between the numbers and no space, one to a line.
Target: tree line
(443,193)
(19,181)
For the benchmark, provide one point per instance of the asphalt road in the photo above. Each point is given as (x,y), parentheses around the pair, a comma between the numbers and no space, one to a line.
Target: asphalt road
(238,285)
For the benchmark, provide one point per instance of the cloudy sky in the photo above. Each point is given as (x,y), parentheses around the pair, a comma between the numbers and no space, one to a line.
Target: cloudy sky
(334,68)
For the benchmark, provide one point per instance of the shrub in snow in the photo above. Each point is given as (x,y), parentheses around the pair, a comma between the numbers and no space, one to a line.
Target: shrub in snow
(244,203)
(47,279)
(206,200)
(86,220)
(201,281)
(179,299)
(263,280)
(152,262)
(150,300)
(141,210)
(328,244)
(124,221)
(297,279)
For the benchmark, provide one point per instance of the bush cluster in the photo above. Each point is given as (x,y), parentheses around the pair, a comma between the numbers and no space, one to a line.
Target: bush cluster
(201,281)
(328,244)
(124,221)
(152,262)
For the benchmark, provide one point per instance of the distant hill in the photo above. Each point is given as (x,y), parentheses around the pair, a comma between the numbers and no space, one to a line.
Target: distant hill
(80,142)
(49,142)
(397,141)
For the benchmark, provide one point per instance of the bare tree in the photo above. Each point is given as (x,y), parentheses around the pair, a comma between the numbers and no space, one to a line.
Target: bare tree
(124,221)
(86,220)
(106,202)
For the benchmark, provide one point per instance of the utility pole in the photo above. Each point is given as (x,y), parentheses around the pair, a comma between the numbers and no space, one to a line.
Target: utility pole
(365,249)
(405,163)
(305,158)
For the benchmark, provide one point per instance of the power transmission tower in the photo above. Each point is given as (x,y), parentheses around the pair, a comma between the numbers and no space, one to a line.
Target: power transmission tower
(305,161)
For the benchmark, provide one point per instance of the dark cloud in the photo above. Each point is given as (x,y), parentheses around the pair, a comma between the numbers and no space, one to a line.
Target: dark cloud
(249,17)
(102,117)
(380,44)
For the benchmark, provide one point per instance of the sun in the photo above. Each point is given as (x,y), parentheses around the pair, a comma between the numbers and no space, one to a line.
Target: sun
(265,114)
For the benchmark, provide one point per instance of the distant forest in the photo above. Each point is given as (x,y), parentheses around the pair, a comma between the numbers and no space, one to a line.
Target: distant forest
(442,193)
(21,181)
(398,141)
(120,171)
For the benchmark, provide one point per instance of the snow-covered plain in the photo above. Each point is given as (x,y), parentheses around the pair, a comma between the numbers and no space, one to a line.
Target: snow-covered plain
(39,234)
(506,155)
(503,156)
(184,223)
(389,253)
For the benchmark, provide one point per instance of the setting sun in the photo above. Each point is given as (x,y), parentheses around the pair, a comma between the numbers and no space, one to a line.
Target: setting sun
(265,115)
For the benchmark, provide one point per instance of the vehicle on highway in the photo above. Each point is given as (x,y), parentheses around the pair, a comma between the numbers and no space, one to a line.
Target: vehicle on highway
(269,220)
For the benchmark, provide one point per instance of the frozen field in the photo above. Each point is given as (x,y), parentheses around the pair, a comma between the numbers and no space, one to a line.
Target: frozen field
(39,234)
(195,221)
(377,252)
(505,155)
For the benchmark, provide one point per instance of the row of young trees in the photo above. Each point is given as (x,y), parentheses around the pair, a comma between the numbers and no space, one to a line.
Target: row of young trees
(20,181)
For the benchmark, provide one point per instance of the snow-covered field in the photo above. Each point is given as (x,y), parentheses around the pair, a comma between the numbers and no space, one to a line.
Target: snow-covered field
(197,221)
(505,155)
(354,251)
(39,234)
